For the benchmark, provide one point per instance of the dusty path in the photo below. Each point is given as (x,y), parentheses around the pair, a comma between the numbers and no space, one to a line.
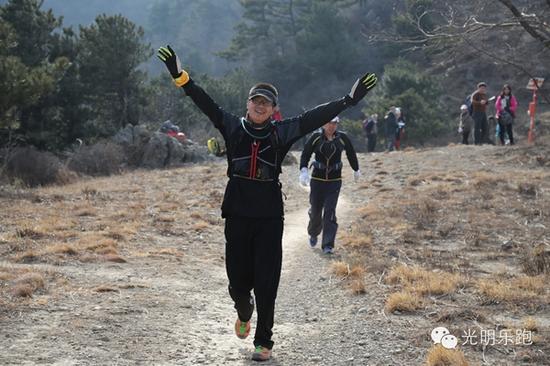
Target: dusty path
(167,311)
(168,304)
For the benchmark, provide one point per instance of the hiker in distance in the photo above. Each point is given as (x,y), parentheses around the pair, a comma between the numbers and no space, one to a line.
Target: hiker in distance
(479,115)
(253,204)
(326,180)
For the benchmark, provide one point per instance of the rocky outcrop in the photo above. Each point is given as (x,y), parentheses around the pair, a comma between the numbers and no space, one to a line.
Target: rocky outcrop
(155,150)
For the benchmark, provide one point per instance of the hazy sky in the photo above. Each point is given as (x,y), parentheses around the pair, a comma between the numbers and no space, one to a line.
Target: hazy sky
(84,11)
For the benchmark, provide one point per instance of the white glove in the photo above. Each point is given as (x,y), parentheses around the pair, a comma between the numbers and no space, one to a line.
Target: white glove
(356,175)
(304,177)
(460,130)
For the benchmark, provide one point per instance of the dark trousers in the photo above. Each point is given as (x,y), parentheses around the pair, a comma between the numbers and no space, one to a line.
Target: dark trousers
(323,199)
(391,142)
(465,136)
(480,127)
(253,255)
(503,128)
(371,143)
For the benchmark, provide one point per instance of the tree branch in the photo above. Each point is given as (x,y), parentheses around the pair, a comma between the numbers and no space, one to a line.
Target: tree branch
(506,61)
(524,23)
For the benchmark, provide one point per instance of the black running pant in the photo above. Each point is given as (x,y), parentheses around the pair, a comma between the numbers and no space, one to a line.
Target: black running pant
(371,143)
(253,255)
(481,128)
(505,128)
(323,198)
(465,136)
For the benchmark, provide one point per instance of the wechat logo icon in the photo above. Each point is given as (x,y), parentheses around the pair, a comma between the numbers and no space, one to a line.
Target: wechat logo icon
(441,335)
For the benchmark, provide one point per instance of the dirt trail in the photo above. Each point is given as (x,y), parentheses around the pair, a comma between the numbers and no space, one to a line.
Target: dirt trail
(167,311)
(168,304)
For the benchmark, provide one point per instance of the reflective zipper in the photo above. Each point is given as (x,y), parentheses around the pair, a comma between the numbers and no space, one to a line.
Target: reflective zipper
(254,159)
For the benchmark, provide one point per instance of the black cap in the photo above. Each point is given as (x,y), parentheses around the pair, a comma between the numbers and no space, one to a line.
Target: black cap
(265,90)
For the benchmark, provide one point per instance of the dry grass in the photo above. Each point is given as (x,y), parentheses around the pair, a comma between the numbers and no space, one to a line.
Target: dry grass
(530,324)
(480,218)
(27,284)
(484,180)
(86,210)
(62,249)
(343,269)
(517,289)
(357,271)
(354,276)
(425,212)
(403,301)
(95,241)
(34,279)
(27,256)
(165,219)
(357,286)
(105,288)
(117,235)
(167,251)
(340,269)
(440,356)
(196,215)
(452,316)
(55,223)
(357,241)
(6,276)
(537,260)
(105,216)
(200,225)
(369,211)
(106,250)
(418,280)
(89,192)
(111,257)
(22,290)
(169,207)
(30,232)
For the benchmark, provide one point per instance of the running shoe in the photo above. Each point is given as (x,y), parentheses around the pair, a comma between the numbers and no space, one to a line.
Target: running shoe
(261,354)
(242,329)
(312,241)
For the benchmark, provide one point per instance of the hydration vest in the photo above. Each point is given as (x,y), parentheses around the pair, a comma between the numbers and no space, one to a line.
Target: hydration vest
(255,154)
(338,145)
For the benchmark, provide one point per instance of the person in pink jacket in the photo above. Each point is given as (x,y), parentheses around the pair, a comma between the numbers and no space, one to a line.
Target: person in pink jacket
(506,105)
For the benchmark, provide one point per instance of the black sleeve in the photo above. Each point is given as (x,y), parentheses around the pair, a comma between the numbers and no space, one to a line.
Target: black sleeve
(205,103)
(291,129)
(308,150)
(318,116)
(350,153)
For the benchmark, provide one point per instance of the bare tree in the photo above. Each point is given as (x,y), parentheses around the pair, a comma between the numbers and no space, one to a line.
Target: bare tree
(533,24)
(511,32)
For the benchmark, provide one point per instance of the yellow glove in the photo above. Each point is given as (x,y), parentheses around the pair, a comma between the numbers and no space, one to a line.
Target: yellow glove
(172,62)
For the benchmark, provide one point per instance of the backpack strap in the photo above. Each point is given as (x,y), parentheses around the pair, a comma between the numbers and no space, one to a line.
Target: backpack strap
(315,142)
(277,146)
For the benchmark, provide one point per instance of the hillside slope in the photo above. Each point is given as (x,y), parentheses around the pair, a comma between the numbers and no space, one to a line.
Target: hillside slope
(129,269)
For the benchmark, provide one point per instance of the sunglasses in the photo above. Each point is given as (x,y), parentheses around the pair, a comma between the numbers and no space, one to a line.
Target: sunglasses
(262,102)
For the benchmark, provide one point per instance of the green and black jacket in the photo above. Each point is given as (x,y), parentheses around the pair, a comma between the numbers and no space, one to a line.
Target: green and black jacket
(327,165)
